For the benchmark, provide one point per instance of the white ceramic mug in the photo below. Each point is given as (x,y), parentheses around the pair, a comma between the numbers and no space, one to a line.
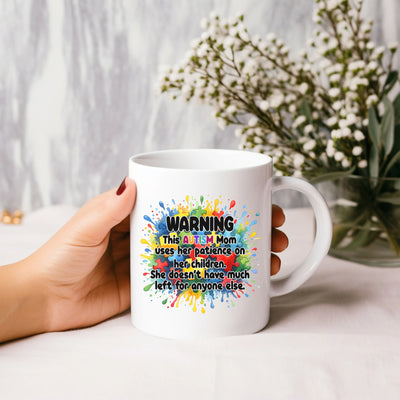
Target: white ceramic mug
(200,242)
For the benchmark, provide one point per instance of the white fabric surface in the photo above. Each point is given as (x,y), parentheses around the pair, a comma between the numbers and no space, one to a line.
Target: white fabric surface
(336,337)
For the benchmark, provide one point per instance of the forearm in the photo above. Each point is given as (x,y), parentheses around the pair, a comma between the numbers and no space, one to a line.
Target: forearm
(23,302)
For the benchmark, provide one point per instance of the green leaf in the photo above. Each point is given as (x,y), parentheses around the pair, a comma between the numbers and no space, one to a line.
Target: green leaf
(391,163)
(373,161)
(361,238)
(390,228)
(373,126)
(330,176)
(387,127)
(338,234)
(390,82)
(305,110)
(396,107)
(392,198)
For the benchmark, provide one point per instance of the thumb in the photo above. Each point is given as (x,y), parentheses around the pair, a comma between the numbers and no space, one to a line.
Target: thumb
(93,222)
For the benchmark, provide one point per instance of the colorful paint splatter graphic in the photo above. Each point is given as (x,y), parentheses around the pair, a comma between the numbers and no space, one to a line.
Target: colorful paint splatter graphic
(198,252)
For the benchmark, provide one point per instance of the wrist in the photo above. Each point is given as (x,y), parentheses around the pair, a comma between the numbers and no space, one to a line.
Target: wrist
(24,301)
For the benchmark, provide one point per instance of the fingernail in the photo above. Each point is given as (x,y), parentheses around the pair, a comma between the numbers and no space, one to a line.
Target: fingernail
(121,188)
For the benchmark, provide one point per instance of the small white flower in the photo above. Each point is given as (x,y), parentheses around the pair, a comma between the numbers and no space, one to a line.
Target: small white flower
(333,43)
(276,100)
(332,4)
(362,164)
(334,78)
(371,100)
(221,123)
(231,109)
(379,51)
(299,121)
(337,105)
(334,92)
(205,35)
(308,129)
(264,105)
(297,174)
(355,65)
(359,136)
(343,123)
(339,156)
(346,132)
(186,89)
(238,132)
(357,151)
(372,66)
(310,145)
(271,37)
(229,42)
(250,67)
(370,45)
(303,88)
(302,53)
(345,163)
(336,133)
(365,122)
(330,149)
(202,50)
(253,121)
(331,121)
(351,119)
(324,63)
(298,160)
(393,46)
(349,44)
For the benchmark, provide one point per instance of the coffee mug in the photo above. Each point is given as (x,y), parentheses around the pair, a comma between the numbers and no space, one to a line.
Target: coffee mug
(200,242)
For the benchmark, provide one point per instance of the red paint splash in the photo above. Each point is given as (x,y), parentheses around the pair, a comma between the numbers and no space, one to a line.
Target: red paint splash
(150,227)
(229,261)
(233,203)
(173,303)
(160,265)
(218,214)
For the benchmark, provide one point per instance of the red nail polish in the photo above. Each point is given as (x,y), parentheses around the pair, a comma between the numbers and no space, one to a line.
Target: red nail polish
(121,188)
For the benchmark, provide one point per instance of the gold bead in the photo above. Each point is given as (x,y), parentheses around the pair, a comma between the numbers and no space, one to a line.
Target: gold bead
(6,219)
(18,214)
(5,213)
(16,220)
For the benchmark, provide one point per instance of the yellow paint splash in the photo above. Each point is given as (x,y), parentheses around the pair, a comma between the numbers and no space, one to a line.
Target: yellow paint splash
(191,298)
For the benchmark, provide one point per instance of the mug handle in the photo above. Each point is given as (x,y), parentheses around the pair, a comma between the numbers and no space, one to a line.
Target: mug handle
(322,240)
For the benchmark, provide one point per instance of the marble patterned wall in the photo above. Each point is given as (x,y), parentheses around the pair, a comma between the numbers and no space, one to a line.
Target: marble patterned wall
(77,86)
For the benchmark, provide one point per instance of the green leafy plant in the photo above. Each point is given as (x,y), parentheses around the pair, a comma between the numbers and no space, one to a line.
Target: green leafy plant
(323,114)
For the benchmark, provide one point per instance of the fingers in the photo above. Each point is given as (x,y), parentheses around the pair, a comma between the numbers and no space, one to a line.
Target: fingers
(275,264)
(93,222)
(278,217)
(279,241)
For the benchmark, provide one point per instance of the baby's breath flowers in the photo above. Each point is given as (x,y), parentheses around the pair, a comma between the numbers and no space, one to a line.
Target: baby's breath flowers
(309,111)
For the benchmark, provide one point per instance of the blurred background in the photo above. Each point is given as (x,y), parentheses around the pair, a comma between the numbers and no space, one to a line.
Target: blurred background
(77,86)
